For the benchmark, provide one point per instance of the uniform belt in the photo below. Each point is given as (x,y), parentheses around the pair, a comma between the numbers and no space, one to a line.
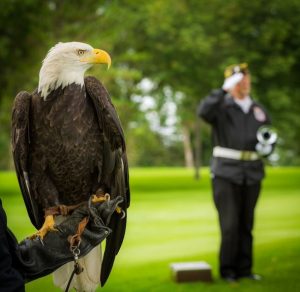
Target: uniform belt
(235,154)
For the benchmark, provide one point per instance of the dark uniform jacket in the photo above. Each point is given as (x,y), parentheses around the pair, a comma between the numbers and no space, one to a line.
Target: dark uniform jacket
(10,279)
(234,129)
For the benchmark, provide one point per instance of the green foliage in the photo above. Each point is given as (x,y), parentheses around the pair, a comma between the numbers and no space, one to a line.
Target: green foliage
(21,30)
(183,47)
(172,219)
(151,149)
(193,41)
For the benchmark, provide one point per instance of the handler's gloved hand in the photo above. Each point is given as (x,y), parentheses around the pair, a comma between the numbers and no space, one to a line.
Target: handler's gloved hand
(231,81)
(263,150)
(37,259)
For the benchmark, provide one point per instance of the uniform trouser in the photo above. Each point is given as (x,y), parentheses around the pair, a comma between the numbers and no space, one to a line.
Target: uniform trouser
(235,205)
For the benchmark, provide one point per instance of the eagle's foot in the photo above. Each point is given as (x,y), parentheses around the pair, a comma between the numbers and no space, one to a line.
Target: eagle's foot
(100,198)
(47,226)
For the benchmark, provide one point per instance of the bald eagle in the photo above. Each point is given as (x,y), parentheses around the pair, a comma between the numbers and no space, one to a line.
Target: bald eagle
(68,144)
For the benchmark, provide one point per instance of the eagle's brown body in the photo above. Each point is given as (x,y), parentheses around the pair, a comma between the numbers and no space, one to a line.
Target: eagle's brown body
(67,147)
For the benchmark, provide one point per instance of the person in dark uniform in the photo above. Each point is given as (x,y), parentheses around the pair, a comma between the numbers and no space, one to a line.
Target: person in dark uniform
(237,169)
(10,279)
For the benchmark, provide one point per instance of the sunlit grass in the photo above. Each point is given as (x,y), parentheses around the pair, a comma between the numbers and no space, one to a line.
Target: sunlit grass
(172,218)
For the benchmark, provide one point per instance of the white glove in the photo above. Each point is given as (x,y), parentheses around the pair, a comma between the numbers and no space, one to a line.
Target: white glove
(232,81)
(263,149)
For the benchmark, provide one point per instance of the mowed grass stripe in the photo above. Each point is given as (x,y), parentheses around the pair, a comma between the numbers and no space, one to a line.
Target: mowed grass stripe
(172,218)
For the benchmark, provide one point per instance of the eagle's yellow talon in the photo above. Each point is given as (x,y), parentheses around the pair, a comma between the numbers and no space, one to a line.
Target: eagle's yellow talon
(47,226)
(119,210)
(94,198)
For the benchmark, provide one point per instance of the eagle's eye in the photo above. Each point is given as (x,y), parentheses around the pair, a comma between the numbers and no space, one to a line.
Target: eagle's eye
(80,52)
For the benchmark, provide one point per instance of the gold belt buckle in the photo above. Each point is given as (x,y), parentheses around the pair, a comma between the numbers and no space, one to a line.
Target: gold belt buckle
(246,155)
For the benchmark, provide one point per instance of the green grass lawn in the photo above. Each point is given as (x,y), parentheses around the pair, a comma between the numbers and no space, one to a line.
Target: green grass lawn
(172,219)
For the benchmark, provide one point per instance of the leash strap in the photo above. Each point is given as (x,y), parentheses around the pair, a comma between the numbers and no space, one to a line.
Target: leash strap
(77,270)
(74,247)
(77,267)
(70,280)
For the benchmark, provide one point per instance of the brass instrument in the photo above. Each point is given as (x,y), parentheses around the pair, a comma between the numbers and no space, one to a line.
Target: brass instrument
(267,138)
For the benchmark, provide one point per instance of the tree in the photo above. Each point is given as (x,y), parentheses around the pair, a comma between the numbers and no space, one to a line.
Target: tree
(182,47)
(187,46)
(22,28)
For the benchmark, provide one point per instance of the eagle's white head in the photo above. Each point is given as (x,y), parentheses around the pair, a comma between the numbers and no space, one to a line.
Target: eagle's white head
(66,63)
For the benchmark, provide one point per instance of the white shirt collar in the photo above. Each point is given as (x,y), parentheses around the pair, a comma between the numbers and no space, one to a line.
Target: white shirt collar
(244,103)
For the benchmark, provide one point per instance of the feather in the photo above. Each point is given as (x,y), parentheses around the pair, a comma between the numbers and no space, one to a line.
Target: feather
(115,169)
(20,146)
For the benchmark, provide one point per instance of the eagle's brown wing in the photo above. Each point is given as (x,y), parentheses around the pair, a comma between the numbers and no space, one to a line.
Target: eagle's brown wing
(20,149)
(115,167)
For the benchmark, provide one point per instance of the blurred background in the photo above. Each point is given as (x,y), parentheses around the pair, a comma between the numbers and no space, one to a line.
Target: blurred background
(166,56)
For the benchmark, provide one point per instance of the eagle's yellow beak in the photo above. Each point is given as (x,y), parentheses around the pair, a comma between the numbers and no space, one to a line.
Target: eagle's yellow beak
(98,57)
